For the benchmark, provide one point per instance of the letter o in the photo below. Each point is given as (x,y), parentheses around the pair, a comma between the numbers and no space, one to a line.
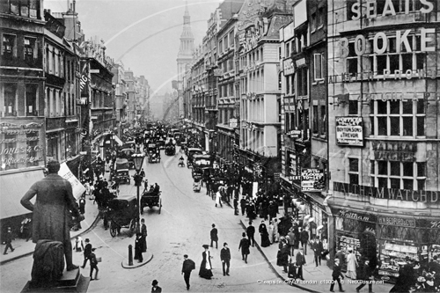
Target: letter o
(385,44)
(360,45)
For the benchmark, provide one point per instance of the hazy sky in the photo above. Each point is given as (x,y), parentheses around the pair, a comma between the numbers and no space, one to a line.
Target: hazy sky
(144,34)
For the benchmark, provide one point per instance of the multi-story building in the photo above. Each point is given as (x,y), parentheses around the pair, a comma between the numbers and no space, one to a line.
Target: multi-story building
(199,80)
(22,104)
(120,96)
(304,151)
(260,101)
(228,99)
(383,89)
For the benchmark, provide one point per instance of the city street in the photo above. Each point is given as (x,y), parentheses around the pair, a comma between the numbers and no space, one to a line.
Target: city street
(182,228)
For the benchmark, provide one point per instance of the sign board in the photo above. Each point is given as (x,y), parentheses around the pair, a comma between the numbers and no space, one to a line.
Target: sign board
(349,131)
(294,133)
(77,188)
(312,180)
(94,70)
(288,66)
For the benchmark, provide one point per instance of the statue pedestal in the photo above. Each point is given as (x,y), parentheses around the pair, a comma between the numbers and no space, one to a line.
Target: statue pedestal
(71,281)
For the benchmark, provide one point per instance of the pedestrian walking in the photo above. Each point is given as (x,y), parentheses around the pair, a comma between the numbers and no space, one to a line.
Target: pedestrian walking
(291,241)
(218,197)
(144,236)
(206,266)
(87,252)
(79,244)
(8,240)
(351,264)
(367,276)
(264,234)
(283,255)
(300,261)
(250,231)
(214,236)
(236,205)
(187,267)
(243,205)
(82,204)
(93,265)
(317,250)
(276,234)
(304,240)
(336,275)
(270,230)
(225,257)
(244,245)
(155,288)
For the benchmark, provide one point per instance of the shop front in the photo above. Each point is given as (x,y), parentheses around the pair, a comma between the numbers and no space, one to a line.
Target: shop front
(400,239)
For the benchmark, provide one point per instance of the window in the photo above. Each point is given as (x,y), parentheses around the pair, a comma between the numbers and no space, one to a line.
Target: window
(302,81)
(353,171)
(10,100)
(353,107)
(318,69)
(220,47)
(8,156)
(323,120)
(287,53)
(313,23)
(32,145)
(315,120)
(399,175)
(397,118)
(30,51)
(231,39)
(31,100)
(9,47)
(321,16)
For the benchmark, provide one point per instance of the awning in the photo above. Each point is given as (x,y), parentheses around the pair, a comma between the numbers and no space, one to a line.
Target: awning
(13,187)
(118,140)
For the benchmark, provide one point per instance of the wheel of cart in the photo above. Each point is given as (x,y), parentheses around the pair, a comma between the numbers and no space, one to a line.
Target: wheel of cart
(114,228)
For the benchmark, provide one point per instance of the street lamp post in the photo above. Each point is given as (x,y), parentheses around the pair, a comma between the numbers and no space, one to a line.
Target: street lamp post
(138,161)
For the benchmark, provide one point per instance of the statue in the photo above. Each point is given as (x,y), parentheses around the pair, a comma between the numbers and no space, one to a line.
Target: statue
(52,210)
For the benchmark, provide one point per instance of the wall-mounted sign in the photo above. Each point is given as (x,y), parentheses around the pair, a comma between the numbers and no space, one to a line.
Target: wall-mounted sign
(312,180)
(394,151)
(288,67)
(294,133)
(300,62)
(387,193)
(349,131)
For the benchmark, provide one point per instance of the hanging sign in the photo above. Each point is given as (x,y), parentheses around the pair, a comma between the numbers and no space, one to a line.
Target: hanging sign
(349,131)
(77,188)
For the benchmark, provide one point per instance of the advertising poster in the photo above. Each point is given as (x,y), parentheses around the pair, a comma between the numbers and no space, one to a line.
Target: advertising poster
(312,180)
(77,188)
(349,131)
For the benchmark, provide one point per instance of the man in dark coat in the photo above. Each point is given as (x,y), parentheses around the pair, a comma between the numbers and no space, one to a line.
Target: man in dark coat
(8,241)
(187,267)
(367,273)
(335,275)
(51,211)
(244,245)
(243,205)
(304,240)
(225,257)
(87,252)
(300,261)
(317,250)
(144,236)
(250,231)
(214,236)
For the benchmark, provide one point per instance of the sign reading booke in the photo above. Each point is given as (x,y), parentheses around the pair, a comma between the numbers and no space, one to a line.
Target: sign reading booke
(312,180)
(77,188)
(349,131)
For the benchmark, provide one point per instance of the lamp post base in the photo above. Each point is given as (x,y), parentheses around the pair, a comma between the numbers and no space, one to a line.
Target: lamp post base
(71,281)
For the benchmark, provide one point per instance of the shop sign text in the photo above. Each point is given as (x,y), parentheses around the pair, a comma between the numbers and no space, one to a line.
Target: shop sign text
(388,193)
(393,221)
(349,131)
(394,151)
(368,9)
(356,216)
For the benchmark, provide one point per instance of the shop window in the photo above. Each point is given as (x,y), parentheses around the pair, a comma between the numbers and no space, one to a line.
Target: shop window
(8,156)
(10,107)
(32,140)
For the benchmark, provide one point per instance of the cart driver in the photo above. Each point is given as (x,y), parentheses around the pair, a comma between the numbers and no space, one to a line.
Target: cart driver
(181,160)
(156,187)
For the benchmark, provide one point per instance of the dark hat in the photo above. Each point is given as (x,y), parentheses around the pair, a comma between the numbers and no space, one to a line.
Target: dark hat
(154,283)
(206,246)
(185,255)
(87,240)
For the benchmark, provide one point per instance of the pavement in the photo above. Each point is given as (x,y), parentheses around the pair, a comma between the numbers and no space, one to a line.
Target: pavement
(316,278)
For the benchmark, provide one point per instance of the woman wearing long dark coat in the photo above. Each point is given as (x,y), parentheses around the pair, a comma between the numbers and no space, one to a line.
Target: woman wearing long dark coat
(205,266)
(264,235)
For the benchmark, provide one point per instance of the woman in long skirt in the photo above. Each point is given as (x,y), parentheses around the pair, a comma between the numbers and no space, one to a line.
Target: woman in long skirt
(271,232)
(351,265)
(205,266)
(264,235)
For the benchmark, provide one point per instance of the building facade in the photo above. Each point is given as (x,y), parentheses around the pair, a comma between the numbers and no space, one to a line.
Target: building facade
(383,88)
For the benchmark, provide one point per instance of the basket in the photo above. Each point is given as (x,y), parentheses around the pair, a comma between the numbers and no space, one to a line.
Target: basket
(99,259)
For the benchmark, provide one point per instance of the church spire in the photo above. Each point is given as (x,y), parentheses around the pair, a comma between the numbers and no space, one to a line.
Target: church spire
(186,38)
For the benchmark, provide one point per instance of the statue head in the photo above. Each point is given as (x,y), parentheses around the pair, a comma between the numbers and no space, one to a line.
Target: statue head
(53,167)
